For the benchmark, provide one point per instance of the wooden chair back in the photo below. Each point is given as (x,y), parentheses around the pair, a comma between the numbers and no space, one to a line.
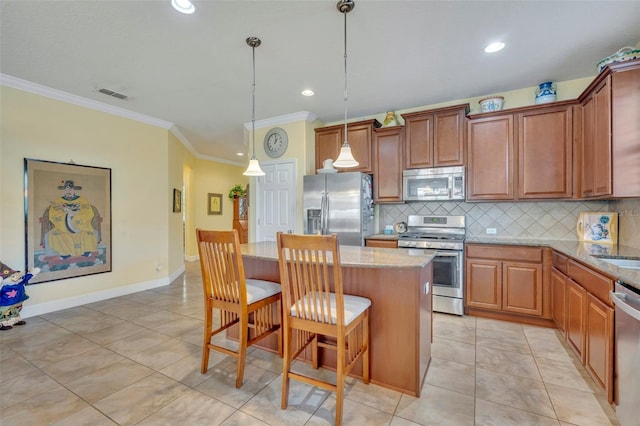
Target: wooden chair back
(310,271)
(222,268)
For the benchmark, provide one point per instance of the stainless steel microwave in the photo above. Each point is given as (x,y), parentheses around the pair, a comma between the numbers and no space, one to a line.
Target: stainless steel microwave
(438,183)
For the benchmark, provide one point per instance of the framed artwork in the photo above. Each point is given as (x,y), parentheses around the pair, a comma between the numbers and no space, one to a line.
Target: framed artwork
(214,203)
(598,227)
(177,200)
(68,219)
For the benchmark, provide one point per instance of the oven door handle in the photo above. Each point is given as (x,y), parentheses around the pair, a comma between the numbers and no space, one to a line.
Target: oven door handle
(455,253)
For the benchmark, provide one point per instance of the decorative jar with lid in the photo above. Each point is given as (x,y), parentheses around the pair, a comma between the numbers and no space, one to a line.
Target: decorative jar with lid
(546,92)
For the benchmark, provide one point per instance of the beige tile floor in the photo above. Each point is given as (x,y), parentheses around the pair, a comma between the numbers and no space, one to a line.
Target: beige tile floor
(135,360)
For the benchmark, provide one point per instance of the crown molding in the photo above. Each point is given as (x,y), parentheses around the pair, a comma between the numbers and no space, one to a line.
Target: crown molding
(38,89)
(283,119)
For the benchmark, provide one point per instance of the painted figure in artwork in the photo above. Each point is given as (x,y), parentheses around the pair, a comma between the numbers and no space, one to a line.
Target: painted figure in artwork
(72,215)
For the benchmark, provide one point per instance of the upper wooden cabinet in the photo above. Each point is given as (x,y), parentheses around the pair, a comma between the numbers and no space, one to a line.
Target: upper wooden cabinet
(525,153)
(490,158)
(545,146)
(388,149)
(360,137)
(435,138)
(610,131)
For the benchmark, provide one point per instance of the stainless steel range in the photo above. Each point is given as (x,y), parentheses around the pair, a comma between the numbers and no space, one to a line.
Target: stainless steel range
(444,235)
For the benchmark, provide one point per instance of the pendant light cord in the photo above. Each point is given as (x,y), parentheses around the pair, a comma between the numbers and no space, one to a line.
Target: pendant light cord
(253,103)
(346,142)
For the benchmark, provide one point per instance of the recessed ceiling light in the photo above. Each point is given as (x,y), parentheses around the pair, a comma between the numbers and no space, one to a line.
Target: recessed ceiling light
(239,154)
(494,47)
(183,6)
(307,92)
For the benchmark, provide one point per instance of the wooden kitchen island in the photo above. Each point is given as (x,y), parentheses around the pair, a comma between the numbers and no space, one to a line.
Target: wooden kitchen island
(401,320)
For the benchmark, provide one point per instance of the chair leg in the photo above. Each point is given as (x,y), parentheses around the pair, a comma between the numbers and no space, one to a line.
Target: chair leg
(242,351)
(340,364)
(206,339)
(286,366)
(365,355)
(314,352)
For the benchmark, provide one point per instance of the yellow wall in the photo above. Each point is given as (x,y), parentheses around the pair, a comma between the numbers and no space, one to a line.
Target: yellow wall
(147,162)
(45,129)
(567,90)
(215,178)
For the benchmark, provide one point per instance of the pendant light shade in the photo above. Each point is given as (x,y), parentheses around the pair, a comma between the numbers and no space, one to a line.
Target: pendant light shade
(345,158)
(254,166)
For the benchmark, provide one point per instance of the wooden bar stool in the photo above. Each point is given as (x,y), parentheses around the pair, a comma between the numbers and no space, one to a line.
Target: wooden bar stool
(253,304)
(309,266)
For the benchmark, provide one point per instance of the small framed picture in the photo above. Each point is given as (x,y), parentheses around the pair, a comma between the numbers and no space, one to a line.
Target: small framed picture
(214,203)
(177,200)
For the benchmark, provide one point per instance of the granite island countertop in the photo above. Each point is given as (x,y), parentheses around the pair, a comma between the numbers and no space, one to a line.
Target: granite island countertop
(364,257)
(584,252)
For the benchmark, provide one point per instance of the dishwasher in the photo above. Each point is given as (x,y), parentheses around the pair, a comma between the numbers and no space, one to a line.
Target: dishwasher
(627,348)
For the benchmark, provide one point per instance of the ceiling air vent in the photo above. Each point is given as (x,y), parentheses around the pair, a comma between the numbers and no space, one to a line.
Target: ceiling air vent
(112,93)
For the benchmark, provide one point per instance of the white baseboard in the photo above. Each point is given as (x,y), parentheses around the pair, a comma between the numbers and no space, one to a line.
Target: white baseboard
(29,310)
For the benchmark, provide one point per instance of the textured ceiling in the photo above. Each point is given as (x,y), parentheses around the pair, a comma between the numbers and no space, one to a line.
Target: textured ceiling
(195,70)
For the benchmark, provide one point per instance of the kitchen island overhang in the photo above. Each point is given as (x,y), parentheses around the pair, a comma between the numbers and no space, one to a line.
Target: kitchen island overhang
(401,319)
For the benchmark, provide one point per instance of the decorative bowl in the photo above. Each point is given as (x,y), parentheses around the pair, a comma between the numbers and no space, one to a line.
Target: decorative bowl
(627,53)
(493,103)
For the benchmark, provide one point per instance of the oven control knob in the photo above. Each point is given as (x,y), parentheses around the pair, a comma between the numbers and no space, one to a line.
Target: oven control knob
(414,244)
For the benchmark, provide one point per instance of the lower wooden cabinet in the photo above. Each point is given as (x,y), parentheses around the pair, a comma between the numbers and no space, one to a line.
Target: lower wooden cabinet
(576,317)
(384,243)
(558,300)
(506,280)
(581,302)
(599,347)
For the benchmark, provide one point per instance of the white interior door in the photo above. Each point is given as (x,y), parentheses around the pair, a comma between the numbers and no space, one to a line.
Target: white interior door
(276,200)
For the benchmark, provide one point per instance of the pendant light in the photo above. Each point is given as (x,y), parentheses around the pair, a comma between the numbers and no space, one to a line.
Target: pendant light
(345,159)
(254,166)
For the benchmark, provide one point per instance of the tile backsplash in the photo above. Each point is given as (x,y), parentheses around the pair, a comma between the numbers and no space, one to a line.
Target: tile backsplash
(525,220)
(628,221)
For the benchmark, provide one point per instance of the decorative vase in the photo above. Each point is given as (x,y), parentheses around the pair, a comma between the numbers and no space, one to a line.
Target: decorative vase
(546,92)
(390,119)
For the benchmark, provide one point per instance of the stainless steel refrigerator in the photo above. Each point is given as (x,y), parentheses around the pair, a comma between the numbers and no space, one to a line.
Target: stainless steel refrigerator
(339,203)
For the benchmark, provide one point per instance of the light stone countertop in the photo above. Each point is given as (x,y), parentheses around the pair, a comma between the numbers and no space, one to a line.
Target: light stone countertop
(383,237)
(585,252)
(363,257)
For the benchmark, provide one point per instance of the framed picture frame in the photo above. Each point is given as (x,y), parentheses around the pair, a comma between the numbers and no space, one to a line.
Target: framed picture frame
(68,219)
(214,203)
(177,200)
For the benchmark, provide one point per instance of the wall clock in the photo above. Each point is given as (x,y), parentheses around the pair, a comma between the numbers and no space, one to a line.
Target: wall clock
(275,142)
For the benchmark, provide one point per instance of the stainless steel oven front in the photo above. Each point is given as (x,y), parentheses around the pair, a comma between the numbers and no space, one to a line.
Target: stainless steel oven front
(448,280)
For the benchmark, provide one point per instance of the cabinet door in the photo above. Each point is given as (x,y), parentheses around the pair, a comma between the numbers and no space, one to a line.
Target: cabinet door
(599,344)
(490,158)
(576,317)
(602,143)
(558,299)
(588,140)
(360,137)
(448,138)
(328,142)
(522,288)
(419,141)
(545,140)
(388,163)
(483,284)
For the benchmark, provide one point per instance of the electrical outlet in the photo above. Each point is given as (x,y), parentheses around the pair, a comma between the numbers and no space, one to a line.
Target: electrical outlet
(491,231)
(158,266)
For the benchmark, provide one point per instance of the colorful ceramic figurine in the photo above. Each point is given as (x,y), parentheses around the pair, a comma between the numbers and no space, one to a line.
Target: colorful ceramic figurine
(12,294)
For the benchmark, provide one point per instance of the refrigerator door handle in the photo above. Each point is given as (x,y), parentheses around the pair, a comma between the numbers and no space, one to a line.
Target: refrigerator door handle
(323,214)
